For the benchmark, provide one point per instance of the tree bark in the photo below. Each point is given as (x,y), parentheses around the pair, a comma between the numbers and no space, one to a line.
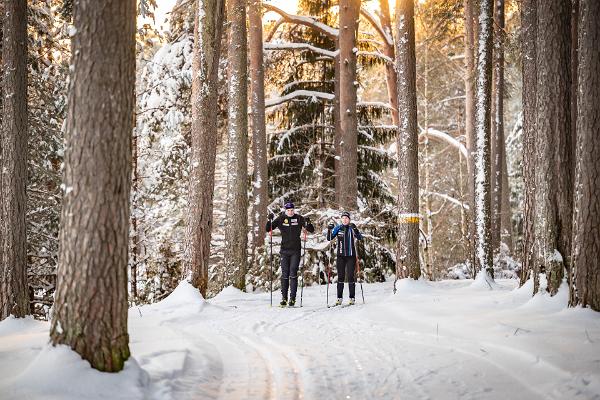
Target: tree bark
(205,66)
(91,298)
(259,131)
(470,119)
(497,143)
(14,295)
(528,42)
(586,236)
(553,169)
(391,77)
(407,250)
(236,239)
(483,251)
(348,172)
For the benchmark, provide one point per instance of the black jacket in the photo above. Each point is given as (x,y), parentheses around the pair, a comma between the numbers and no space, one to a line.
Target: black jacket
(290,228)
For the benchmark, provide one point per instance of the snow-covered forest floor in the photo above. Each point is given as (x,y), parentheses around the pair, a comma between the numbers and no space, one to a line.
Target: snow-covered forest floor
(441,340)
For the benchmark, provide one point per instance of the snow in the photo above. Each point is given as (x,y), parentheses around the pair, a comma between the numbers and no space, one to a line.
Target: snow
(311,94)
(447,339)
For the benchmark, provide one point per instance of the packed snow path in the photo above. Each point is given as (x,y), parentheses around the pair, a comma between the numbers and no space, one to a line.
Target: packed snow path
(444,340)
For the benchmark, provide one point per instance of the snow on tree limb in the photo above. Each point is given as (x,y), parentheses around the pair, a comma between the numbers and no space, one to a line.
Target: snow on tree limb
(389,41)
(299,93)
(447,197)
(445,137)
(375,54)
(299,46)
(303,20)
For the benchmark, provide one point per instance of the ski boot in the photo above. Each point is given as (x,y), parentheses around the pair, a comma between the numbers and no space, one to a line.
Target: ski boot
(283,303)
(338,302)
(352,302)
(292,303)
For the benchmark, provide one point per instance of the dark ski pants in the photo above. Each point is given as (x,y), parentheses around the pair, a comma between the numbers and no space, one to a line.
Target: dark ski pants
(290,260)
(345,270)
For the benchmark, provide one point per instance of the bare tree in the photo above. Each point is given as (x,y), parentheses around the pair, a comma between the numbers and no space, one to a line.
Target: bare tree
(14,296)
(528,43)
(205,66)
(483,251)
(91,298)
(237,157)
(348,171)
(391,77)
(586,236)
(259,131)
(407,140)
(553,162)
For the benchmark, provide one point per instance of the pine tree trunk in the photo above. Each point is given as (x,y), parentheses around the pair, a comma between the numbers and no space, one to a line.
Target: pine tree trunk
(586,236)
(497,143)
(14,295)
(337,134)
(470,119)
(553,161)
(205,66)
(236,239)
(391,77)
(528,43)
(259,132)
(349,13)
(483,251)
(407,250)
(91,298)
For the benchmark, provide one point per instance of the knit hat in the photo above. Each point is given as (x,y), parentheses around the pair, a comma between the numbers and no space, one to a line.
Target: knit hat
(289,205)
(346,214)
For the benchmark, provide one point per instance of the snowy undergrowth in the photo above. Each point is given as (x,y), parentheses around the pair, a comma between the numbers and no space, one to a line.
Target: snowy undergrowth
(451,339)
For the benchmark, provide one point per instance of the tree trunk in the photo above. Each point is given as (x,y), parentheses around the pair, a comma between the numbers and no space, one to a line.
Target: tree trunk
(349,13)
(483,251)
(259,132)
(14,295)
(553,161)
(391,77)
(236,239)
(205,66)
(91,298)
(337,134)
(470,119)
(497,143)
(407,250)
(586,236)
(528,43)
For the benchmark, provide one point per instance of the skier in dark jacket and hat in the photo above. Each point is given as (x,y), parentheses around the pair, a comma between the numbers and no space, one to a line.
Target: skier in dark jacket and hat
(346,233)
(290,224)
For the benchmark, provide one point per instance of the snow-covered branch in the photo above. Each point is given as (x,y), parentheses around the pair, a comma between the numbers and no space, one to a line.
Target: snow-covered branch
(300,46)
(447,198)
(375,23)
(303,20)
(299,93)
(444,137)
(375,54)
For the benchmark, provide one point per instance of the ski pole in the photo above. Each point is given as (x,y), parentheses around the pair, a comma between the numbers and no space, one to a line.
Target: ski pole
(329,273)
(358,266)
(271,243)
(301,270)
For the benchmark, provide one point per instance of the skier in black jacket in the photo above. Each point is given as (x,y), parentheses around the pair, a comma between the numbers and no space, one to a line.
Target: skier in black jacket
(290,224)
(346,233)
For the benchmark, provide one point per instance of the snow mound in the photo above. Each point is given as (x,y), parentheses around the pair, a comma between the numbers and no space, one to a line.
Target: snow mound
(410,286)
(542,302)
(481,282)
(230,293)
(12,325)
(59,373)
(183,295)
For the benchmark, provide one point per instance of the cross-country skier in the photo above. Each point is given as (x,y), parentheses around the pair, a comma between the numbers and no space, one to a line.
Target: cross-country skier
(346,233)
(290,224)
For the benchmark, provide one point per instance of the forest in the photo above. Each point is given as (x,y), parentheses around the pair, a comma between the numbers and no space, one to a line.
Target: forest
(156,156)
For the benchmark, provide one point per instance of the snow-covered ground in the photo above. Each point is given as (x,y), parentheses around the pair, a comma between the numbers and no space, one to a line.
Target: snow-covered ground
(442,340)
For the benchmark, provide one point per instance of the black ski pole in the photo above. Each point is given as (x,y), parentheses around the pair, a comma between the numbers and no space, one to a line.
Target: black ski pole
(302,269)
(271,245)
(358,266)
